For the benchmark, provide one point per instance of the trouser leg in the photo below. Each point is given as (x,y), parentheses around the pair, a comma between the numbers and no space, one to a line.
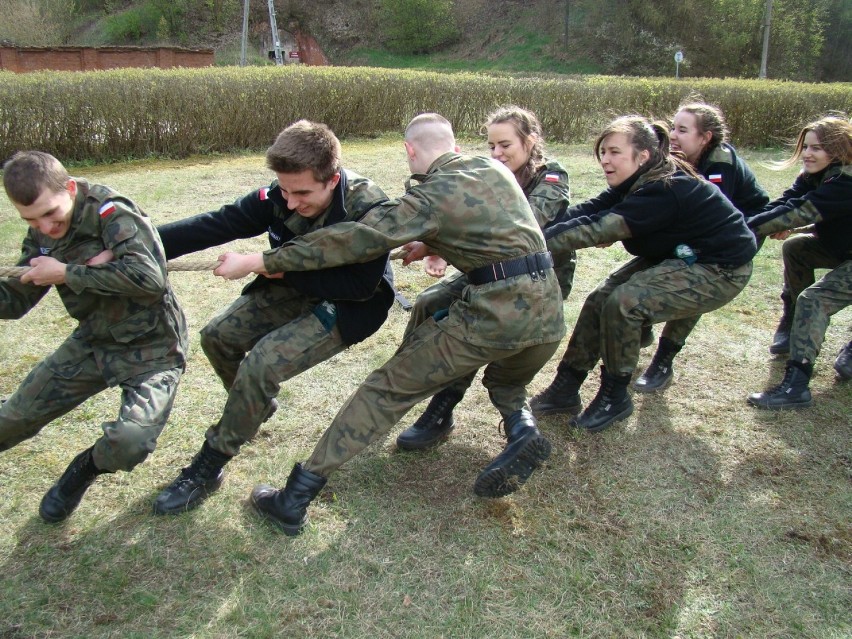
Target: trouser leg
(281,355)
(814,308)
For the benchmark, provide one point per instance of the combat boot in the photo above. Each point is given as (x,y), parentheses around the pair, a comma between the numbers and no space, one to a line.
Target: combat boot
(434,425)
(660,371)
(781,339)
(65,495)
(843,363)
(562,396)
(526,450)
(611,404)
(288,508)
(194,484)
(792,392)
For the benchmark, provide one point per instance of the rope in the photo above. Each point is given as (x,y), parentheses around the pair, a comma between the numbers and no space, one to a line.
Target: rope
(173,265)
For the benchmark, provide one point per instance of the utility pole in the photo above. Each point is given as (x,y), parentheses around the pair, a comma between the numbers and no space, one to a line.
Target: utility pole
(767,21)
(276,41)
(245,33)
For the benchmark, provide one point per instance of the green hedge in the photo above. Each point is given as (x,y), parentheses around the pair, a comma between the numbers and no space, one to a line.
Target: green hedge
(126,113)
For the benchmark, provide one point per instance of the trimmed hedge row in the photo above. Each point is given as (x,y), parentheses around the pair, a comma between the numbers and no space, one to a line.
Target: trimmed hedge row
(133,113)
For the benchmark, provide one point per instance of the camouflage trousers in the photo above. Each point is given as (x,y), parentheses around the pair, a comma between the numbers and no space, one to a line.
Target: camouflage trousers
(262,339)
(814,301)
(68,377)
(438,297)
(645,292)
(428,360)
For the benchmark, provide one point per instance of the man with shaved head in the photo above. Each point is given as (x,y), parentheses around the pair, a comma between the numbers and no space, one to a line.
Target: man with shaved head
(472,212)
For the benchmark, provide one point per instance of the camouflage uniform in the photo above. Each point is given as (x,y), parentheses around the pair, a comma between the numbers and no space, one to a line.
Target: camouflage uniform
(279,328)
(724,168)
(131,331)
(653,219)
(824,201)
(472,212)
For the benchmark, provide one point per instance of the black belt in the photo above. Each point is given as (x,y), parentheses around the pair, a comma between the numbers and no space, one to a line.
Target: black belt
(535,264)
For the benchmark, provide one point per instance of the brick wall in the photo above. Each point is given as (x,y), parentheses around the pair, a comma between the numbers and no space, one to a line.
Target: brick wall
(24,59)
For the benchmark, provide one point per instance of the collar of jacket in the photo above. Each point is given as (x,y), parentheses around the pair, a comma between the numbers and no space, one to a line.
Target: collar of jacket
(832,170)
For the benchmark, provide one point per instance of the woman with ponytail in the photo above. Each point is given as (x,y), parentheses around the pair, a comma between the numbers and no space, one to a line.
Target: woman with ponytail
(693,255)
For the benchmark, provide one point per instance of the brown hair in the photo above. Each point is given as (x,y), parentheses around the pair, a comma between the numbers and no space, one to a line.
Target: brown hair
(305,146)
(653,137)
(835,135)
(28,174)
(708,117)
(527,127)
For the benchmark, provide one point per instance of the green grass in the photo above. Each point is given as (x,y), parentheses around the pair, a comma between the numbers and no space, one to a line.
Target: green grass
(696,517)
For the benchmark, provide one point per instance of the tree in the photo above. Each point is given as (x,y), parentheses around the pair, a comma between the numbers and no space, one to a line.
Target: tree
(417,26)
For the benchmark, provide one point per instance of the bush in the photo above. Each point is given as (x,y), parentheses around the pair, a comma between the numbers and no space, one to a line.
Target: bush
(139,112)
(417,26)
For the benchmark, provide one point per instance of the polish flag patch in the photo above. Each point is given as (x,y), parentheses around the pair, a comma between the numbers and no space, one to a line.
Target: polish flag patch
(551,177)
(715,178)
(263,193)
(107,209)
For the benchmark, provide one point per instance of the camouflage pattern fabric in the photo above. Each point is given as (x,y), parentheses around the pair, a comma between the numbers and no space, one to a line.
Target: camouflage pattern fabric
(131,331)
(472,212)
(640,292)
(261,340)
(814,301)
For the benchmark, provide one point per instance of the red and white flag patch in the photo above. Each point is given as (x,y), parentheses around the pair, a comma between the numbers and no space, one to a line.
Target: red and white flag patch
(551,177)
(107,208)
(715,178)
(263,193)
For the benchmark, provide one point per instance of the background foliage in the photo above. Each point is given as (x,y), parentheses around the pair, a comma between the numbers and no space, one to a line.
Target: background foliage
(139,112)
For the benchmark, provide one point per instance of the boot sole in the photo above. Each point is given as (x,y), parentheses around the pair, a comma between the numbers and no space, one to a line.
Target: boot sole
(508,477)
(193,502)
(424,444)
(795,406)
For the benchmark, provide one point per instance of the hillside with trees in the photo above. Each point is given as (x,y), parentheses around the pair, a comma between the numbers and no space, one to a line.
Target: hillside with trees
(809,39)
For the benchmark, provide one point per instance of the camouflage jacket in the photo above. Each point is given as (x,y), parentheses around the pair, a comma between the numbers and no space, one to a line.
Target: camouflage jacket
(128,315)
(548,192)
(724,168)
(823,199)
(653,217)
(471,211)
(363,293)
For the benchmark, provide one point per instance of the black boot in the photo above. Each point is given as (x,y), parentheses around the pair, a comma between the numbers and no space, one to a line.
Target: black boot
(434,425)
(792,392)
(288,508)
(610,405)
(843,363)
(562,396)
(659,373)
(194,484)
(526,450)
(781,339)
(647,336)
(65,495)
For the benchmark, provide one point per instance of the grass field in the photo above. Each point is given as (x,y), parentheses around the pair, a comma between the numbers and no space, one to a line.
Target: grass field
(697,517)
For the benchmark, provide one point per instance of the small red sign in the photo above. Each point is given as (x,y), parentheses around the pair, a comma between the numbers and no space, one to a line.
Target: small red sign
(293,54)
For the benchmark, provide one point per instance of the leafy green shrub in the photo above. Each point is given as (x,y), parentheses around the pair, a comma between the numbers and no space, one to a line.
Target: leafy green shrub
(417,26)
(138,112)
(137,23)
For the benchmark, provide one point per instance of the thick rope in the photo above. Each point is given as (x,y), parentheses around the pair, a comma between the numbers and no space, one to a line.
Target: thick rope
(173,265)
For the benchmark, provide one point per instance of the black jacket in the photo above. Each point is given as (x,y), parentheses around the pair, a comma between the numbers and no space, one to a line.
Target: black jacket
(363,293)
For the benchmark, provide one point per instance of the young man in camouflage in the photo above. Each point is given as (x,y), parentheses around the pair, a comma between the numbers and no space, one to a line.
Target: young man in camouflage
(279,327)
(472,212)
(131,331)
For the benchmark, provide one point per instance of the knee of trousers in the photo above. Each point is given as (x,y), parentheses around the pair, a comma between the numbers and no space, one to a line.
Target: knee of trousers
(124,445)
(622,304)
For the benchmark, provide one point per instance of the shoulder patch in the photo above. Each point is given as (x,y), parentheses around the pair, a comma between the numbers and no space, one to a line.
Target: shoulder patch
(715,178)
(107,208)
(263,193)
(551,177)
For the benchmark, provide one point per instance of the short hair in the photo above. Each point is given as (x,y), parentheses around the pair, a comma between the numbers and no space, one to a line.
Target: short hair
(835,135)
(27,174)
(526,125)
(305,146)
(431,132)
(708,117)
